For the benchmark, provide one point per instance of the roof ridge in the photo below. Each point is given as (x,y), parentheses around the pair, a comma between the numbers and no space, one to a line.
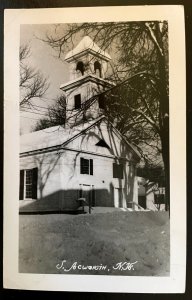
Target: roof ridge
(83,130)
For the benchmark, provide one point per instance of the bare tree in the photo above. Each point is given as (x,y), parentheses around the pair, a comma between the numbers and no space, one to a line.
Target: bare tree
(140,101)
(56,115)
(32,82)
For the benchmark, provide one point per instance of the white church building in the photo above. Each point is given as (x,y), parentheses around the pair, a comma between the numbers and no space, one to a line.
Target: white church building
(88,157)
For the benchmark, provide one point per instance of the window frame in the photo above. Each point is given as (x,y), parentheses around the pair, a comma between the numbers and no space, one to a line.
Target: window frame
(23,184)
(90,166)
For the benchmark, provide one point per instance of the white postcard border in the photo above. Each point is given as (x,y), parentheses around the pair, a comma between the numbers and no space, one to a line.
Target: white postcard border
(96,283)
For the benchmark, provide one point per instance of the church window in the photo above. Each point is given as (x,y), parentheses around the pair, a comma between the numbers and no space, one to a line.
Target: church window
(118,171)
(28,184)
(101,101)
(80,67)
(159,198)
(77,99)
(97,68)
(86,166)
(102,143)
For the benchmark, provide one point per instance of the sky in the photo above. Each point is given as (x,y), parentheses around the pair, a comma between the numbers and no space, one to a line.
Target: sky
(44,58)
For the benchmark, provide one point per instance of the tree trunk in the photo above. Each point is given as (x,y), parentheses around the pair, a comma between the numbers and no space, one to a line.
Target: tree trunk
(164,114)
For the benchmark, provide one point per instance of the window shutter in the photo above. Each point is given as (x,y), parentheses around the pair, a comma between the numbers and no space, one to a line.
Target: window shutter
(114,170)
(81,165)
(34,183)
(91,167)
(117,171)
(120,171)
(21,185)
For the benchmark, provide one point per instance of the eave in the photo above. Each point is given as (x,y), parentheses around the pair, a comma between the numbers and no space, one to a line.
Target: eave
(88,51)
(84,79)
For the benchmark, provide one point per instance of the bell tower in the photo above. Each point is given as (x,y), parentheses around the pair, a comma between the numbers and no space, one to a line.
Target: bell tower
(88,65)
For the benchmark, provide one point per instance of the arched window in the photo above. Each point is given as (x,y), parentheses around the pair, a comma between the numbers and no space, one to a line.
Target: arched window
(80,67)
(97,68)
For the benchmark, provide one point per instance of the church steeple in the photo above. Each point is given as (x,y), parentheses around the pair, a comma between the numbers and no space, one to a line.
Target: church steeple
(87,58)
(88,65)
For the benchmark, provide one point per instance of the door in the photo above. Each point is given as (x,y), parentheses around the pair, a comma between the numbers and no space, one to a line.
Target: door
(117,197)
(86,193)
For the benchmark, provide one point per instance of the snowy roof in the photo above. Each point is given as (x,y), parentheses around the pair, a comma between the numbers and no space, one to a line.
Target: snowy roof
(50,137)
(59,135)
(86,44)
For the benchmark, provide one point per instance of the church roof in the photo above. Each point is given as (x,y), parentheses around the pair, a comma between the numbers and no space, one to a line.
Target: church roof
(50,137)
(87,44)
(60,136)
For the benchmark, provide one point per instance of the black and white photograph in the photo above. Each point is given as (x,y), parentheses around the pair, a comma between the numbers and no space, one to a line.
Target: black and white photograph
(93,122)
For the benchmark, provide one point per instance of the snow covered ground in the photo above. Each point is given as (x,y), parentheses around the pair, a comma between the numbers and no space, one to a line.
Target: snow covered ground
(108,241)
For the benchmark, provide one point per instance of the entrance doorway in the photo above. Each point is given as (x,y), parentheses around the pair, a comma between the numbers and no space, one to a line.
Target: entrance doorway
(88,192)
